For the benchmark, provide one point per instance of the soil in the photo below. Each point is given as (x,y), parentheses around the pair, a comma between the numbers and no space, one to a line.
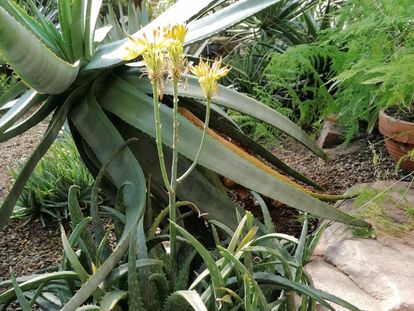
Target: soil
(27,248)
(31,247)
(403,115)
(363,160)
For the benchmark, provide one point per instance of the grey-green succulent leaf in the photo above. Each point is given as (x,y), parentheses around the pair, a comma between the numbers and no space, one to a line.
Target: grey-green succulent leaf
(191,297)
(239,102)
(36,64)
(21,106)
(217,155)
(92,124)
(109,55)
(217,22)
(55,126)
(34,282)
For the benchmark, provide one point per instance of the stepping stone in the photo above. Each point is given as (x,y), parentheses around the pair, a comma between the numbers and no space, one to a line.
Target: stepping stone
(374,274)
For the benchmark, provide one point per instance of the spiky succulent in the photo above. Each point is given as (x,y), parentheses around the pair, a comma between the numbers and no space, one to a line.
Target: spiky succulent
(106,103)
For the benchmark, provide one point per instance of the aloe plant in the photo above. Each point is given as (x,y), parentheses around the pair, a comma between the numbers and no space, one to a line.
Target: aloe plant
(247,272)
(110,111)
(106,102)
(46,191)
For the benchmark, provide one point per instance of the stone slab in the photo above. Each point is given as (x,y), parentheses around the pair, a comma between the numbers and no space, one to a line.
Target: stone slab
(375,274)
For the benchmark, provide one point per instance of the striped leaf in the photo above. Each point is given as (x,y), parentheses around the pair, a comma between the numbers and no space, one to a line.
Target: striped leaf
(218,155)
(239,102)
(32,60)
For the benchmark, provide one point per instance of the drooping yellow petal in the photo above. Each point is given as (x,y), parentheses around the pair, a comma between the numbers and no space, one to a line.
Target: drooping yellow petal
(208,76)
(176,32)
(134,47)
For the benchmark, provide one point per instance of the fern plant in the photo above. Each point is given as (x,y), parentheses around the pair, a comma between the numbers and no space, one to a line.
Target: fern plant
(356,67)
(297,82)
(373,70)
(264,71)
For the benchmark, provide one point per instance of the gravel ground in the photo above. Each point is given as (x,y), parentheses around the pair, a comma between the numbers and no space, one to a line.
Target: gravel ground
(32,247)
(364,160)
(28,248)
(14,150)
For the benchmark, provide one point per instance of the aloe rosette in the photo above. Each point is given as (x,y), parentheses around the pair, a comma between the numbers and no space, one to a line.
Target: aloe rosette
(68,75)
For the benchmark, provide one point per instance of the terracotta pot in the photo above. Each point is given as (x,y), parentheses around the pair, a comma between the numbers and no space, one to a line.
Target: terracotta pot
(399,138)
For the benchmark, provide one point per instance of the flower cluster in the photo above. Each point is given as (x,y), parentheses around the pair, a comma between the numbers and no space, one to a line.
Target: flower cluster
(164,55)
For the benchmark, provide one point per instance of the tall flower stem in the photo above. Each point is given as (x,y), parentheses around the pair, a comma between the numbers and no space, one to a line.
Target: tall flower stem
(158,135)
(200,147)
(173,185)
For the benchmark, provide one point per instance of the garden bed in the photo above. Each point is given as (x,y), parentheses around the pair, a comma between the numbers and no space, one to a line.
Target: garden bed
(32,247)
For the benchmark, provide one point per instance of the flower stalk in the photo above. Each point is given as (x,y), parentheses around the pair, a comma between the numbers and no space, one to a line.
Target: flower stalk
(207,77)
(164,55)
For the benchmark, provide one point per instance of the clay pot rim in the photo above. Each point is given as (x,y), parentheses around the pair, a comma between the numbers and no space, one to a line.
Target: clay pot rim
(387,116)
(396,129)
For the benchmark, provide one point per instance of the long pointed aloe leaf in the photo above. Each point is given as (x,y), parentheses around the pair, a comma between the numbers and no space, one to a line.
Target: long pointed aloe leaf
(239,102)
(216,277)
(111,299)
(122,270)
(50,136)
(38,116)
(32,60)
(220,122)
(65,19)
(195,188)
(244,271)
(192,298)
(110,55)
(48,27)
(73,258)
(89,287)
(218,154)
(24,304)
(23,104)
(76,218)
(77,29)
(92,12)
(267,279)
(29,23)
(210,25)
(134,291)
(93,125)
(14,92)
(36,281)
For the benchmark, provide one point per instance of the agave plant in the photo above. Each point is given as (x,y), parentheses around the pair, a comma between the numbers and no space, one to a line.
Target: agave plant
(107,103)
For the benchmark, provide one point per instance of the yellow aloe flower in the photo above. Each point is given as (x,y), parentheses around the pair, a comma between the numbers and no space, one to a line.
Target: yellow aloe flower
(156,64)
(94,268)
(176,32)
(153,52)
(175,36)
(208,76)
(137,46)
